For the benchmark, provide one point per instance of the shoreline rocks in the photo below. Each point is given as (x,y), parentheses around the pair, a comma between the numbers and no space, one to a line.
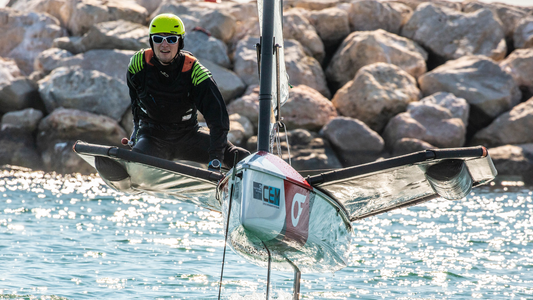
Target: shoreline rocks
(371,79)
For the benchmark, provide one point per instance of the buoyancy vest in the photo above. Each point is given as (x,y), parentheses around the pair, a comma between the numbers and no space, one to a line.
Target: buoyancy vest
(164,91)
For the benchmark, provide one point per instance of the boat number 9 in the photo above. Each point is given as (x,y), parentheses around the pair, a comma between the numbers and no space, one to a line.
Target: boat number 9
(298,199)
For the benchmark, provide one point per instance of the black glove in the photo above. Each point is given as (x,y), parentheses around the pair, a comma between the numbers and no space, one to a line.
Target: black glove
(214,165)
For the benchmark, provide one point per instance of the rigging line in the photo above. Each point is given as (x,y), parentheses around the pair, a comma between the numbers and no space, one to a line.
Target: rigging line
(227,224)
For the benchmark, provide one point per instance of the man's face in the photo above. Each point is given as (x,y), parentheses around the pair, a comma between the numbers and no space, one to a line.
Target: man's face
(165,51)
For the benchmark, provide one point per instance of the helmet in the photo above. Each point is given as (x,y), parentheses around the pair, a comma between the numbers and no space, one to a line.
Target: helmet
(167,23)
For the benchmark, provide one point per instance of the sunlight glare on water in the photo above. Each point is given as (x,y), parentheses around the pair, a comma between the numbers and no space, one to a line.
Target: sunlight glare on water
(71,237)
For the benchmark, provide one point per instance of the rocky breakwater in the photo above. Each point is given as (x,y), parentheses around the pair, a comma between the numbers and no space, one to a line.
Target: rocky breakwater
(372,79)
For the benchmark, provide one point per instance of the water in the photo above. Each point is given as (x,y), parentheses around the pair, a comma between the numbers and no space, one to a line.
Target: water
(70,237)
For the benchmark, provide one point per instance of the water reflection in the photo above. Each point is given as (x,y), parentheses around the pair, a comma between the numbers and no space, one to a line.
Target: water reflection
(70,237)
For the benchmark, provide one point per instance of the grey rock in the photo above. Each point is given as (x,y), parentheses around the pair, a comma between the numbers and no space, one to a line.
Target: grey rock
(230,84)
(523,34)
(377,93)
(307,109)
(364,48)
(477,79)
(368,15)
(85,90)
(26,119)
(207,47)
(17,147)
(451,34)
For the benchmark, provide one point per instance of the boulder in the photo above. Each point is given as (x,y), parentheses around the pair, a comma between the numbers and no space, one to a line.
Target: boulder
(353,141)
(50,59)
(297,27)
(332,25)
(309,4)
(80,15)
(17,147)
(119,34)
(410,145)
(150,5)
(377,93)
(113,63)
(205,46)
(368,15)
(26,119)
(451,34)
(514,160)
(413,4)
(428,122)
(245,60)
(25,35)
(518,65)
(307,109)
(208,16)
(458,107)
(479,80)
(247,125)
(523,34)
(229,83)
(247,105)
(84,90)
(363,48)
(510,16)
(512,127)
(303,69)
(59,130)
(127,121)
(236,133)
(18,93)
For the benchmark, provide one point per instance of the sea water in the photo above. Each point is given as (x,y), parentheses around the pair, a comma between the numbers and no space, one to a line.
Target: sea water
(71,237)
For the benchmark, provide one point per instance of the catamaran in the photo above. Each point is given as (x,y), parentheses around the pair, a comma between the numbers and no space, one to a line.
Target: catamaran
(273,216)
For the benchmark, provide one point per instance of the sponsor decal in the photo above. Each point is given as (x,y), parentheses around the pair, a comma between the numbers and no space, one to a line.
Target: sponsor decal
(269,195)
(298,203)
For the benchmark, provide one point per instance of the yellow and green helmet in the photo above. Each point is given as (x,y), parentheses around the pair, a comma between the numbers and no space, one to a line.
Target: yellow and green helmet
(167,23)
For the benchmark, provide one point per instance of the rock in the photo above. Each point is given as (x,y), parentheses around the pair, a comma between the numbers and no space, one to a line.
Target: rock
(309,153)
(247,125)
(410,145)
(510,16)
(247,106)
(26,119)
(207,47)
(113,63)
(25,35)
(303,69)
(413,4)
(80,15)
(245,60)
(307,109)
(84,90)
(332,25)
(523,34)
(219,23)
(458,107)
(310,4)
(518,65)
(150,5)
(127,122)
(19,93)
(353,141)
(512,127)
(514,160)
(17,147)
(368,15)
(50,59)
(297,27)
(236,133)
(428,122)
(59,130)
(8,70)
(479,80)
(107,35)
(377,93)
(364,48)
(229,83)
(451,34)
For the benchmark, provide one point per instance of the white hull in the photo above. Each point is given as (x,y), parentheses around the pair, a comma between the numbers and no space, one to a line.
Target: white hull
(274,208)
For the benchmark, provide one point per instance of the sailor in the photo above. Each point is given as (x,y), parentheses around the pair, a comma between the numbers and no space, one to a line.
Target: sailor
(168,85)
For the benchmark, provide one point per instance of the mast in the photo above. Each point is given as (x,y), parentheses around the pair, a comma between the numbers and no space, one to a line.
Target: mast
(265,84)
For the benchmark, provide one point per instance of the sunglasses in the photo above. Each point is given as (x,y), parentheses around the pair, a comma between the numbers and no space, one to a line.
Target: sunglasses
(171,39)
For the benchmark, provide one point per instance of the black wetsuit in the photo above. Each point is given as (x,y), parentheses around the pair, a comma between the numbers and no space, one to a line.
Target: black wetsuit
(164,102)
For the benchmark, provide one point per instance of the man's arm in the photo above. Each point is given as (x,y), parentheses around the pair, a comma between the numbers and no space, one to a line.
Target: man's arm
(210,103)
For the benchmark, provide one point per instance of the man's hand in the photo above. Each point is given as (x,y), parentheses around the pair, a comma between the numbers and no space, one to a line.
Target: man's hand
(214,165)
